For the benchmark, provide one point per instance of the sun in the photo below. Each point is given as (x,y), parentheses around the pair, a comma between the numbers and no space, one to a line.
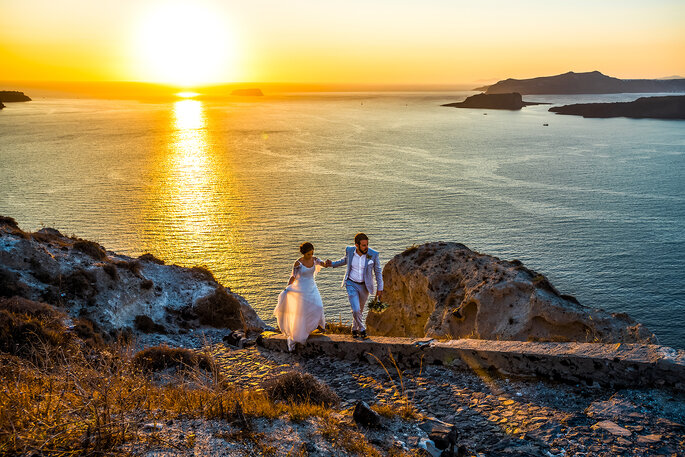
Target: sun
(185,44)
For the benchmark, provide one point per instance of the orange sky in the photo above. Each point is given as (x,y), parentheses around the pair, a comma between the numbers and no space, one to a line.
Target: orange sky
(352,42)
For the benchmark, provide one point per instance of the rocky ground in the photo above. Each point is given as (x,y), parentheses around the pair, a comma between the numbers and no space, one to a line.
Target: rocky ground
(494,416)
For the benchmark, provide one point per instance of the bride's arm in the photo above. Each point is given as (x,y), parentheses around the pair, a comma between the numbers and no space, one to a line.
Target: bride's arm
(296,266)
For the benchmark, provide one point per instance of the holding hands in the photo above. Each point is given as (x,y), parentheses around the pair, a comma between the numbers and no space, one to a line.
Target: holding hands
(327,263)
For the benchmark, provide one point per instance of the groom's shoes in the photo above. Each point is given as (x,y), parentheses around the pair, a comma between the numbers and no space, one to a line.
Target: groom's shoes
(355,334)
(363,334)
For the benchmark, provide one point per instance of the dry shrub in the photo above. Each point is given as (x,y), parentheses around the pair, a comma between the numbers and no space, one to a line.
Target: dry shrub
(220,310)
(80,283)
(410,250)
(338,328)
(91,248)
(145,324)
(111,271)
(133,266)
(296,387)
(5,220)
(147,257)
(10,285)
(31,337)
(203,273)
(20,305)
(89,332)
(159,358)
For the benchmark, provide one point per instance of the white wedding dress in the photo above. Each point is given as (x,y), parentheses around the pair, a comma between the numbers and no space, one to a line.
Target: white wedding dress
(300,309)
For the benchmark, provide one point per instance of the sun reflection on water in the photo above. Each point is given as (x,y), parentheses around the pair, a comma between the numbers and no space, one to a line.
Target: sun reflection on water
(194,201)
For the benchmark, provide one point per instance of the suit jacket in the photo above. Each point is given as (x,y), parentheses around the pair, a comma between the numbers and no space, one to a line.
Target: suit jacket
(372,266)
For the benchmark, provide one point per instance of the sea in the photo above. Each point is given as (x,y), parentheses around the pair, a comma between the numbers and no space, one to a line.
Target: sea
(596,205)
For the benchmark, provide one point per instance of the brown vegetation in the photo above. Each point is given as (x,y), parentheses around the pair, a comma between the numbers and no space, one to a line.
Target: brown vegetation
(91,248)
(151,258)
(203,273)
(145,324)
(220,310)
(162,357)
(296,387)
(5,220)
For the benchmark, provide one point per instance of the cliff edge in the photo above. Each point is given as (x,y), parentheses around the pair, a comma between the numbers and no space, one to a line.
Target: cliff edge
(115,291)
(446,290)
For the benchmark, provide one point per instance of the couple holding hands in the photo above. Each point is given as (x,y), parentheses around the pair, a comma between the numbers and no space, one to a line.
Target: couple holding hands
(300,309)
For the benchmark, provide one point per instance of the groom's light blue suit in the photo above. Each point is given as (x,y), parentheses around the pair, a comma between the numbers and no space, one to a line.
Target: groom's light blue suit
(358,293)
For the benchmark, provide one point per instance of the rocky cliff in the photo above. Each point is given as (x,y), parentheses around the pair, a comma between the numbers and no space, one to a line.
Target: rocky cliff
(670,107)
(592,82)
(446,290)
(112,290)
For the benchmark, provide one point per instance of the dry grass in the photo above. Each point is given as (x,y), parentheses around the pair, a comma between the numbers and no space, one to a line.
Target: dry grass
(77,406)
(403,409)
(338,327)
(300,388)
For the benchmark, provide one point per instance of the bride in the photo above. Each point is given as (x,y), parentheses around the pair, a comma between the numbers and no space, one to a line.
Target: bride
(300,310)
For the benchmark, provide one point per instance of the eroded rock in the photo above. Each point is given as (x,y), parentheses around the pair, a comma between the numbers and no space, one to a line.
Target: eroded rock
(113,290)
(446,290)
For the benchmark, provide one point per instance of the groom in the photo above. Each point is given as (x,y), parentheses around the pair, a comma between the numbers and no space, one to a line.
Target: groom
(362,263)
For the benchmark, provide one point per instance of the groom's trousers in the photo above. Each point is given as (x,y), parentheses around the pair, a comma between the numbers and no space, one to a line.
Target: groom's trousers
(357,295)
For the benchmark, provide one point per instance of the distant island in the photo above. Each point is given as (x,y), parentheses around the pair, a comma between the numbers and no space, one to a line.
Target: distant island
(668,107)
(13,96)
(510,101)
(248,92)
(2,105)
(592,82)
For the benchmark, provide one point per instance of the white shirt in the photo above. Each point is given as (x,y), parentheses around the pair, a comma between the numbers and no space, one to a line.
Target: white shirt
(357,267)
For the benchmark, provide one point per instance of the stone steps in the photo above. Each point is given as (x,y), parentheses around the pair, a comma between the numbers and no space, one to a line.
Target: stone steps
(613,365)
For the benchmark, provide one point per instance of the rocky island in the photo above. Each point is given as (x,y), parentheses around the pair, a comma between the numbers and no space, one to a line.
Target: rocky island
(110,355)
(592,82)
(508,101)
(668,107)
(12,96)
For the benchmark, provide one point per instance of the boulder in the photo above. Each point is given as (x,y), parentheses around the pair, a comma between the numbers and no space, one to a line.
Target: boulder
(446,290)
(366,416)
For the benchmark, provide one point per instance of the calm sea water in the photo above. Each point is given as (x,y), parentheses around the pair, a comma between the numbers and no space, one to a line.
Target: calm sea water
(597,205)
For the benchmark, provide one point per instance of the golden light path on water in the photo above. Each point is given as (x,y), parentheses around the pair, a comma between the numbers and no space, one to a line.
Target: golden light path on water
(194,203)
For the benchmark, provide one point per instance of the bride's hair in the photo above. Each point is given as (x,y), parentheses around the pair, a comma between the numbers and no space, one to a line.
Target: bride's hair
(306,247)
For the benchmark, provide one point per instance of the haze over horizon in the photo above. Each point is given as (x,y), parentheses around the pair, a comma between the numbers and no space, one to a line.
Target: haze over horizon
(208,42)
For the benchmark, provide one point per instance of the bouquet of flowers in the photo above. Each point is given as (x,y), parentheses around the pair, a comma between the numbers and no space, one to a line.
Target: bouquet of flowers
(376,305)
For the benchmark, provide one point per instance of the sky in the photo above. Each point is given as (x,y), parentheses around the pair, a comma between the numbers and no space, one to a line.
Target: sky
(427,42)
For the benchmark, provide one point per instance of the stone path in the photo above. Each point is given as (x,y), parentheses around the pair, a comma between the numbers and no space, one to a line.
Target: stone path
(496,416)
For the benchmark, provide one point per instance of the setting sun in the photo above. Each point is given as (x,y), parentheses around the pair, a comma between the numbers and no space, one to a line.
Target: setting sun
(185,45)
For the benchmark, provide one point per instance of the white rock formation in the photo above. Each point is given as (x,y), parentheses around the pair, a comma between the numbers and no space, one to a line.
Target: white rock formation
(446,290)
